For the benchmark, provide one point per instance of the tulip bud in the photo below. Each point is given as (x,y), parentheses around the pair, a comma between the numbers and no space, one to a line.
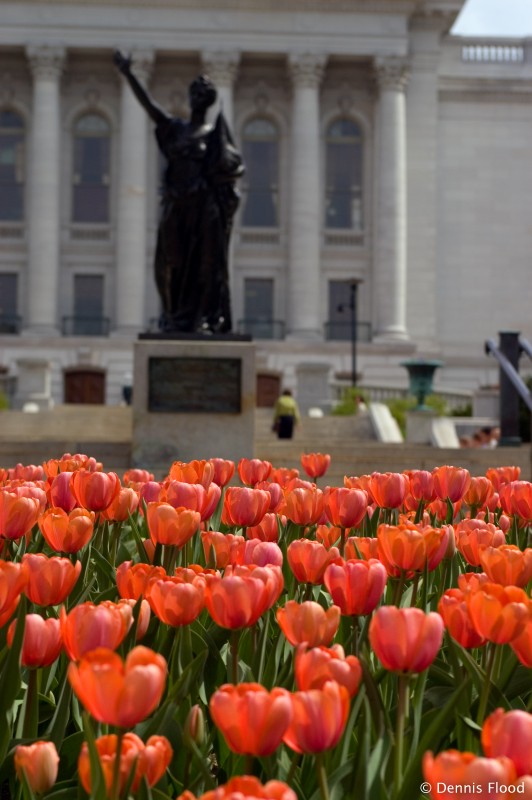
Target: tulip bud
(39,762)
(194,730)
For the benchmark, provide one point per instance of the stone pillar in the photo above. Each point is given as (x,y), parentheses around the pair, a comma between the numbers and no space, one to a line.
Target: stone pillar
(45,147)
(132,220)
(306,223)
(390,239)
(222,69)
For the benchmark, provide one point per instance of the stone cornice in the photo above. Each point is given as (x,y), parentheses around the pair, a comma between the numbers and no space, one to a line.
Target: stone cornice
(306,69)
(324,6)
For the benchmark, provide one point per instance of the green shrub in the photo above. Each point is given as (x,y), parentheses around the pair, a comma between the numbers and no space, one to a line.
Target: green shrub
(348,405)
(4,402)
(400,405)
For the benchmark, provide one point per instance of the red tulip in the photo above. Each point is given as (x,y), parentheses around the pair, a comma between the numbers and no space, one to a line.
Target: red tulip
(356,586)
(319,719)
(244,507)
(302,505)
(116,692)
(365,547)
(472,535)
(509,734)
(410,547)
(451,769)
(40,764)
(224,470)
(276,495)
(18,514)
(317,665)
(42,642)
(88,627)
(171,526)
(308,622)
(267,530)
(193,496)
(499,613)
(50,579)
(67,532)
(388,489)
(507,564)
(252,719)
(345,508)
(405,639)
(522,644)
(221,549)
(315,464)
(176,600)
(502,475)
(253,470)
(236,601)
(60,493)
(455,614)
(125,503)
(478,493)
(133,580)
(94,490)
(134,477)
(245,787)
(308,560)
(451,482)
(13,579)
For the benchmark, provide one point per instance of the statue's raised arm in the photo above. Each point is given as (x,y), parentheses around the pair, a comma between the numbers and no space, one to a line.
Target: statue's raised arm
(154,110)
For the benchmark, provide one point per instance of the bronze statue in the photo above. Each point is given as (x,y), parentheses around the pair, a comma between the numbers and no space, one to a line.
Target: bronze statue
(199,200)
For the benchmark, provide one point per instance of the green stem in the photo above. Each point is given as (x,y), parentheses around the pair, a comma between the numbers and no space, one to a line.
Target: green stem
(115,790)
(402,705)
(342,541)
(322,777)
(414,590)
(483,702)
(235,636)
(292,771)
(399,589)
(31,711)
(355,632)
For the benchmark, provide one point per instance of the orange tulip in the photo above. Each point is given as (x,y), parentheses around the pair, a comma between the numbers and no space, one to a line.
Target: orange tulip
(319,718)
(478,492)
(356,586)
(59,492)
(26,472)
(133,580)
(405,639)
(509,734)
(236,601)
(267,530)
(283,475)
(315,464)
(67,532)
(18,514)
(327,535)
(132,477)
(251,719)
(224,469)
(42,640)
(144,616)
(39,762)
(70,463)
(125,503)
(132,747)
(193,496)
(245,787)
(450,482)
(13,579)
(94,490)
(455,614)
(276,494)
(365,547)
(345,508)
(451,769)
(516,498)
(171,526)
(308,560)
(50,579)
(317,665)
(303,505)
(192,472)
(308,622)
(522,644)
(221,549)
(117,692)
(472,535)
(176,600)
(262,553)
(421,485)
(271,575)
(501,475)
(410,547)
(253,470)
(388,489)
(88,627)
(499,613)
(507,564)
(244,507)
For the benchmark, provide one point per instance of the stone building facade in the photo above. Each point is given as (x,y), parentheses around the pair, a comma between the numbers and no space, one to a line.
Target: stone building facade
(389,167)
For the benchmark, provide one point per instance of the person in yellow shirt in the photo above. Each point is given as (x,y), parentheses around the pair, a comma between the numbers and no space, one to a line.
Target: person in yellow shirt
(286,415)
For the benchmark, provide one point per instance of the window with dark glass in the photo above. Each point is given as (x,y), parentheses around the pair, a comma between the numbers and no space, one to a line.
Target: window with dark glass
(343,176)
(340,319)
(8,302)
(90,194)
(11,166)
(260,146)
(88,305)
(258,307)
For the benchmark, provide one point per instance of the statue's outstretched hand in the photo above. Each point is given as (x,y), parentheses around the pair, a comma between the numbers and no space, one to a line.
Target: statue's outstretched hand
(122,62)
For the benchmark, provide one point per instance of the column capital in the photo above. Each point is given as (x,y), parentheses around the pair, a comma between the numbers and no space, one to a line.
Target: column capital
(46,61)
(392,72)
(221,66)
(306,69)
(142,62)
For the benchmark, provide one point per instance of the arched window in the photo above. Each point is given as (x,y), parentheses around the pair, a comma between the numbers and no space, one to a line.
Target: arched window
(343,177)
(261,157)
(11,166)
(90,194)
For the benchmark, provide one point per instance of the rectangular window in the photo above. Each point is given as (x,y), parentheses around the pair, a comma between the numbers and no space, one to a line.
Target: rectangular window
(258,308)
(9,319)
(88,306)
(340,314)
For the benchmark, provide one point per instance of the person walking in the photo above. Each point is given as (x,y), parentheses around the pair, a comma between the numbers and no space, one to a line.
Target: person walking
(286,415)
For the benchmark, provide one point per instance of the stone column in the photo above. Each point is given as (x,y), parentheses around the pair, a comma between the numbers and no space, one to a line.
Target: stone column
(389,289)
(44,196)
(222,69)
(306,223)
(132,219)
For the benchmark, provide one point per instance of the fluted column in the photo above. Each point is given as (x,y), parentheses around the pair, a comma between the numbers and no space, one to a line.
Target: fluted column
(131,220)
(390,241)
(222,69)
(46,64)
(303,301)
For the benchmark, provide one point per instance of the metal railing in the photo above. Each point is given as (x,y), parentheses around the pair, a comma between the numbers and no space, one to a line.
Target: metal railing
(262,329)
(10,323)
(342,331)
(85,326)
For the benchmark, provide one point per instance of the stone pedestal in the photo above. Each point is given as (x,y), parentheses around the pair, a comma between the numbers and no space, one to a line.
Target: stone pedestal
(419,426)
(34,383)
(312,385)
(192,400)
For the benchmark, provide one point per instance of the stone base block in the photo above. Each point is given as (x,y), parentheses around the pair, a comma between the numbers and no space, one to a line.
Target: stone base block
(192,400)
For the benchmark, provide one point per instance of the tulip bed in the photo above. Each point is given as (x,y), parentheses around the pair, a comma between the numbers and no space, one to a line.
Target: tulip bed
(238,631)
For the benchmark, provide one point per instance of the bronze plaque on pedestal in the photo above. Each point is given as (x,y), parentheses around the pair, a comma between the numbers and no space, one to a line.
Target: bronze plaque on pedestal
(194,385)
